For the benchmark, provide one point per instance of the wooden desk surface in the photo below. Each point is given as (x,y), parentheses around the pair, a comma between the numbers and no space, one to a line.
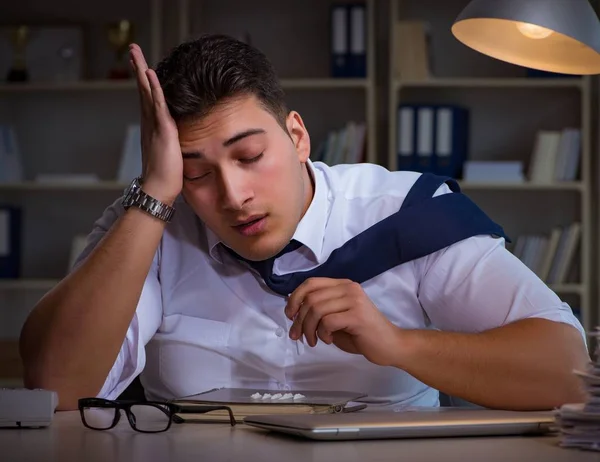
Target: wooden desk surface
(68,440)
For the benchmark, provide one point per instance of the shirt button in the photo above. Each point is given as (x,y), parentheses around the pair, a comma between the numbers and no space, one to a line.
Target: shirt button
(279,332)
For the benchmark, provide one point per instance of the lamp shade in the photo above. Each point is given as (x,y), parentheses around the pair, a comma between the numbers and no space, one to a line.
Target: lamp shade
(551,35)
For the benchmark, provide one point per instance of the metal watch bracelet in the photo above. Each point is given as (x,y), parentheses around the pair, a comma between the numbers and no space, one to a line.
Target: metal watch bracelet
(135,196)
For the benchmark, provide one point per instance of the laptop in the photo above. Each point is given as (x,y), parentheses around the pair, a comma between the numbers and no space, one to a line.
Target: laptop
(429,423)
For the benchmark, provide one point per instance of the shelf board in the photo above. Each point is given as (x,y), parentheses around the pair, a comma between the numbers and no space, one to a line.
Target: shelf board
(525,186)
(27,284)
(36,186)
(567,288)
(107,85)
(491,83)
(84,85)
(324,83)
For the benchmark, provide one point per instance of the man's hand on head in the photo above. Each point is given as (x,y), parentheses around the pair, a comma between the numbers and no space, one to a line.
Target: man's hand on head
(161,153)
(338,311)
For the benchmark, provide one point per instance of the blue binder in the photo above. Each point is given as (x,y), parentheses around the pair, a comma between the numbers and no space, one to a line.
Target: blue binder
(451,140)
(416,130)
(406,136)
(10,242)
(340,41)
(358,40)
(432,138)
(348,40)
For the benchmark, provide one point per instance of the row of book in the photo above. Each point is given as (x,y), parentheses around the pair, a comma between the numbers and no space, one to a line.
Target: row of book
(555,155)
(433,138)
(11,166)
(344,146)
(11,162)
(552,256)
(348,40)
(11,243)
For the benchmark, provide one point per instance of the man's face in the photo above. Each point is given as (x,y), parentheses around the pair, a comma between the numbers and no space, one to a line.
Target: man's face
(245,177)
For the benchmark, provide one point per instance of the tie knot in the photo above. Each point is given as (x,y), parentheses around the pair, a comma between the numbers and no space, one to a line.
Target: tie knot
(292,245)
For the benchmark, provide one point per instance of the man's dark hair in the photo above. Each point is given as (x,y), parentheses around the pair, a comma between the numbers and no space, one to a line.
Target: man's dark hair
(200,74)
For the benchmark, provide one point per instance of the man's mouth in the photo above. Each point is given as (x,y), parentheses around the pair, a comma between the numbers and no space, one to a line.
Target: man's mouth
(251,225)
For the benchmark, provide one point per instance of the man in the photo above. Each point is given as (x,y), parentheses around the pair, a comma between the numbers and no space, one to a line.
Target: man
(185,304)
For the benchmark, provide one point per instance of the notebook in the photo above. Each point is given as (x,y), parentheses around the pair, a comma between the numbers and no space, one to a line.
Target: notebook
(247,402)
(432,422)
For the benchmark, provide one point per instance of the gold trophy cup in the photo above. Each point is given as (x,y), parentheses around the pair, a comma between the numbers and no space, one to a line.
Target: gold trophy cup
(19,37)
(120,35)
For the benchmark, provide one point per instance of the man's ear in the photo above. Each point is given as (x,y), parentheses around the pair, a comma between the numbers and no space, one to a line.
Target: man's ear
(299,135)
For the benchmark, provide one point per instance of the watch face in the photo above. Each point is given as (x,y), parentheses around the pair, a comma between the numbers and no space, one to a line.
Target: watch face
(130,192)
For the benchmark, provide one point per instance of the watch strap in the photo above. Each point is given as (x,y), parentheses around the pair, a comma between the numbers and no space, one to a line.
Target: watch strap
(138,198)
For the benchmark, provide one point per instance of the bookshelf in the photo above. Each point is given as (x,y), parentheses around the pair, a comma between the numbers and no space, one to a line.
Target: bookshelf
(79,127)
(58,133)
(507,108)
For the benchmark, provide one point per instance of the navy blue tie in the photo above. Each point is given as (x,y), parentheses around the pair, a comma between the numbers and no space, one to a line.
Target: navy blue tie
(423,225)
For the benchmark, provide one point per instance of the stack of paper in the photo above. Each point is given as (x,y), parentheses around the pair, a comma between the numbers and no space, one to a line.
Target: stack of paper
(580,423)
(486,171)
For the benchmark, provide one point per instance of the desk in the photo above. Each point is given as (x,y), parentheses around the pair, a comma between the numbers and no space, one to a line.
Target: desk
(69,441)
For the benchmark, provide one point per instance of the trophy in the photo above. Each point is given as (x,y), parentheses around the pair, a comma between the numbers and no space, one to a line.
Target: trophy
(120,35)
(19,36)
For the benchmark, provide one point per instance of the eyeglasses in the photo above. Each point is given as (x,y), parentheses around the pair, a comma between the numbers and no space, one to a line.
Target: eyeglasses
(143,416)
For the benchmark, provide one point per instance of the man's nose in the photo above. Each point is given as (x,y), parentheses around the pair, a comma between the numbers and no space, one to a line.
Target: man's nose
(235,191)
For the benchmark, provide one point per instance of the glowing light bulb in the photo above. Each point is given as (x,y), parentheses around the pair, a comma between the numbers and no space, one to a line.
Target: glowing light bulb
(533,32)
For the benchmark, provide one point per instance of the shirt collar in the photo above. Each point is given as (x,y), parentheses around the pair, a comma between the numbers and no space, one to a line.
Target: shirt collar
(311,228)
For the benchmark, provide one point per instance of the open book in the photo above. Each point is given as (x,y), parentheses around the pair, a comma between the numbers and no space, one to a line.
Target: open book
(245,402)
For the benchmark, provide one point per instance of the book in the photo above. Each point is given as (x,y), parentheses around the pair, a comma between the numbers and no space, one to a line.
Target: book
(130,165)
(246,402)
(544,156)
(11,165)
(11,219)
(411,50)
(348,40)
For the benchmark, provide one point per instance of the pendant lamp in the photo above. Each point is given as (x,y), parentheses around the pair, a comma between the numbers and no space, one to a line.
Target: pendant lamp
(561,36)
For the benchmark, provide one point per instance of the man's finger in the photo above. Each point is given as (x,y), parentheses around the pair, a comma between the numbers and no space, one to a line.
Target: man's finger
(308,286)
(332,323)
(314,301)
(316,315)
(140,66)
(296,329)
(157,94)
(138,56)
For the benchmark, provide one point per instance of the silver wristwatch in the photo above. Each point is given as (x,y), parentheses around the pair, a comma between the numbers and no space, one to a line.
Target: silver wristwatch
(134,196)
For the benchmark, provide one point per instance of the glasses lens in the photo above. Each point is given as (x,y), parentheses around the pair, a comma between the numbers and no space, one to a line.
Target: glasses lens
(150,417)
(99,418)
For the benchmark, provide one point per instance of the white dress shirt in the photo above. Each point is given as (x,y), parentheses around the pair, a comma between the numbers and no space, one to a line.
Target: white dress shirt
(205,320)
